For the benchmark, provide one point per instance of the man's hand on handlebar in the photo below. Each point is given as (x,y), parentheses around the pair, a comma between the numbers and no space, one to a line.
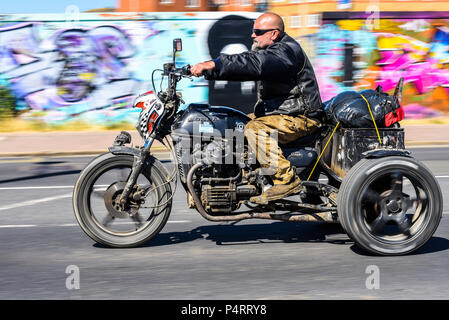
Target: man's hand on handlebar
(198,69)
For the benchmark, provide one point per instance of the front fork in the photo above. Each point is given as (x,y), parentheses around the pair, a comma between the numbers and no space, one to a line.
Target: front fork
(135,171)
(144,152)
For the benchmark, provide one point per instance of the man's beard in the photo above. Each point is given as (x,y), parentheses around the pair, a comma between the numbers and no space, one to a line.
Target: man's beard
(255,46)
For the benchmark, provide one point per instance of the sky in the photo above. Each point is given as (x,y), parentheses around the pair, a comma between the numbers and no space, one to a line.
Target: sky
(51,6)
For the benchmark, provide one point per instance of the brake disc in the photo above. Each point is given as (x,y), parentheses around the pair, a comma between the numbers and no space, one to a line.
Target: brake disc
(112,200)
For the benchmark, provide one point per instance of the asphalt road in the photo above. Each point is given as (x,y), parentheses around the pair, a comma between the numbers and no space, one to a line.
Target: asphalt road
(42,248)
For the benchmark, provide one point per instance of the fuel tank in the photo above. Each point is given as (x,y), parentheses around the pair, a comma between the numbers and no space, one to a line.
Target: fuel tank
(204,119)
(198,125)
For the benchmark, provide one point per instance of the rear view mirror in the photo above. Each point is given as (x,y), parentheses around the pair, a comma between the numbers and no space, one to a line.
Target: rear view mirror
(177,45)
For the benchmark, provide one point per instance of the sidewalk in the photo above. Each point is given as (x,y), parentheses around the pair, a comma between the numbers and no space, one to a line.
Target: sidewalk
(86,142)
(63,143)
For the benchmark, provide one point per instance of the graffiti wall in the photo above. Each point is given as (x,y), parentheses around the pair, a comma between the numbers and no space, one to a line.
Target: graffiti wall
(357,53)
(92,68)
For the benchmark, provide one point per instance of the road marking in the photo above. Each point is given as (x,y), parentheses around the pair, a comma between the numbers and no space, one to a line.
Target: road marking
(438,177)
(33,202)
(71,187)
(50,187)
(19,226)
(36,188)
(179,221)
(71,224)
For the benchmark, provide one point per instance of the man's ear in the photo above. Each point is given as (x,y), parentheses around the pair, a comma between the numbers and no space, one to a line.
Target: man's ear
(276,35)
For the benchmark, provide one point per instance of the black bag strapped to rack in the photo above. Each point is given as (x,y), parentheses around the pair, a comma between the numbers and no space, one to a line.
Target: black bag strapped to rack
(358,109)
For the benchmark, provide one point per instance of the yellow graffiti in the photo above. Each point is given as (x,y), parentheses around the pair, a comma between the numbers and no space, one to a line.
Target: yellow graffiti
(373,24)
(417,50)
(87,76)
(351,25)
(387,25)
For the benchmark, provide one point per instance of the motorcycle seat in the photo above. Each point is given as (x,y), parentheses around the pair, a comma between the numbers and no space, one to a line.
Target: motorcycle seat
(304,141)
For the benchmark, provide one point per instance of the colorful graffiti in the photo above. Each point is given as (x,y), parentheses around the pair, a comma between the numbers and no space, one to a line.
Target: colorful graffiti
(93,68)
(415,49)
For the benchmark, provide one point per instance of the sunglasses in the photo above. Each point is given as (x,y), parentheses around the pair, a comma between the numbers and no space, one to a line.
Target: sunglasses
(259,32)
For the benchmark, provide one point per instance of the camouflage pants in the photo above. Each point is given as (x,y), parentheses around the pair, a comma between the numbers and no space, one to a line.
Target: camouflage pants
(263,135)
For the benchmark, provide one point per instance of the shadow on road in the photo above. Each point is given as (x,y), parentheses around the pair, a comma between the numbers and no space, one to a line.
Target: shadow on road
(286,232)
(234,234)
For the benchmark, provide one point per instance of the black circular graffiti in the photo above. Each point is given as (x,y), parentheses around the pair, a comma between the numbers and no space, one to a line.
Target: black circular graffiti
(230,30)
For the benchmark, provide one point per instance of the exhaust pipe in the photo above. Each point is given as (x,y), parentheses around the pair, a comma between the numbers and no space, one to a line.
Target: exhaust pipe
(315,217)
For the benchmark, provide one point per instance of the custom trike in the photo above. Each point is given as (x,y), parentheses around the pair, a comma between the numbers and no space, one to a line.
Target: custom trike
(386,201)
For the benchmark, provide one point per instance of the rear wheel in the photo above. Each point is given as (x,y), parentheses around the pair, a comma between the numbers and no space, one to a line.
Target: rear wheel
(97,208)
(390,206)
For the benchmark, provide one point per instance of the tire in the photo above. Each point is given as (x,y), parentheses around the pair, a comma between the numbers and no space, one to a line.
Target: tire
(390,206)
(85,210)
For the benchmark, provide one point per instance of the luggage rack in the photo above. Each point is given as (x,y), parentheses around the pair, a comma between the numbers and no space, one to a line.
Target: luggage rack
(349,144)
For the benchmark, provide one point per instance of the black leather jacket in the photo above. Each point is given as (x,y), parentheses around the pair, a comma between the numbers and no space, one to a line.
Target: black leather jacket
(286,80)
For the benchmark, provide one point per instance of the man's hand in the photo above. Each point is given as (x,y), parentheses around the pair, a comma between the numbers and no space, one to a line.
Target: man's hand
(198,69)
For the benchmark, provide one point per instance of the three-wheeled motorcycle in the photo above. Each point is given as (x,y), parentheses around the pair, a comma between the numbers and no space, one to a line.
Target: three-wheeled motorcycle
(386,201)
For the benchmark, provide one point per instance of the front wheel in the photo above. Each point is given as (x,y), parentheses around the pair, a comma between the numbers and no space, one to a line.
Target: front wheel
(390,206)
(96,201)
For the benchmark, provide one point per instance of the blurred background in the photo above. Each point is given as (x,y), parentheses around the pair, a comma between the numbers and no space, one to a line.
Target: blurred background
(79,64)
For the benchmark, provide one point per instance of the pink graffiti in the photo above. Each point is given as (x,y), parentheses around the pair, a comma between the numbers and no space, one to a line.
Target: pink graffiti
(416,111)
(425,75)
(327,86)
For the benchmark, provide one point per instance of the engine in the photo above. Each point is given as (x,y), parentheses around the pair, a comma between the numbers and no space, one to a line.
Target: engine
(201,135)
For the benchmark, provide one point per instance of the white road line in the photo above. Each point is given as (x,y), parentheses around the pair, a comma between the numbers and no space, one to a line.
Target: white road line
(37,187)
(71,224)
(103,186)
(48,187)
(19,226)
(33,202)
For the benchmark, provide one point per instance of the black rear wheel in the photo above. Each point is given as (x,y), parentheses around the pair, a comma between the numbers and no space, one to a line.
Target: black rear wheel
(390,206)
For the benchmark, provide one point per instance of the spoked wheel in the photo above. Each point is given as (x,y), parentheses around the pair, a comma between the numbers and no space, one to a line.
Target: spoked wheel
(390,206)
(97,206)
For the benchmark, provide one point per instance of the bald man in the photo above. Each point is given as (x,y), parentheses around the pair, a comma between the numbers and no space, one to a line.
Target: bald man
(288,96)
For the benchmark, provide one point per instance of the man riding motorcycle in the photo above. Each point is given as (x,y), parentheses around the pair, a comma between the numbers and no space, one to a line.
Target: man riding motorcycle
(288,96)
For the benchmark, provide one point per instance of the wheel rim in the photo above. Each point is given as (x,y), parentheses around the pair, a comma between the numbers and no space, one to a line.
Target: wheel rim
(126,223)
(394,206)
